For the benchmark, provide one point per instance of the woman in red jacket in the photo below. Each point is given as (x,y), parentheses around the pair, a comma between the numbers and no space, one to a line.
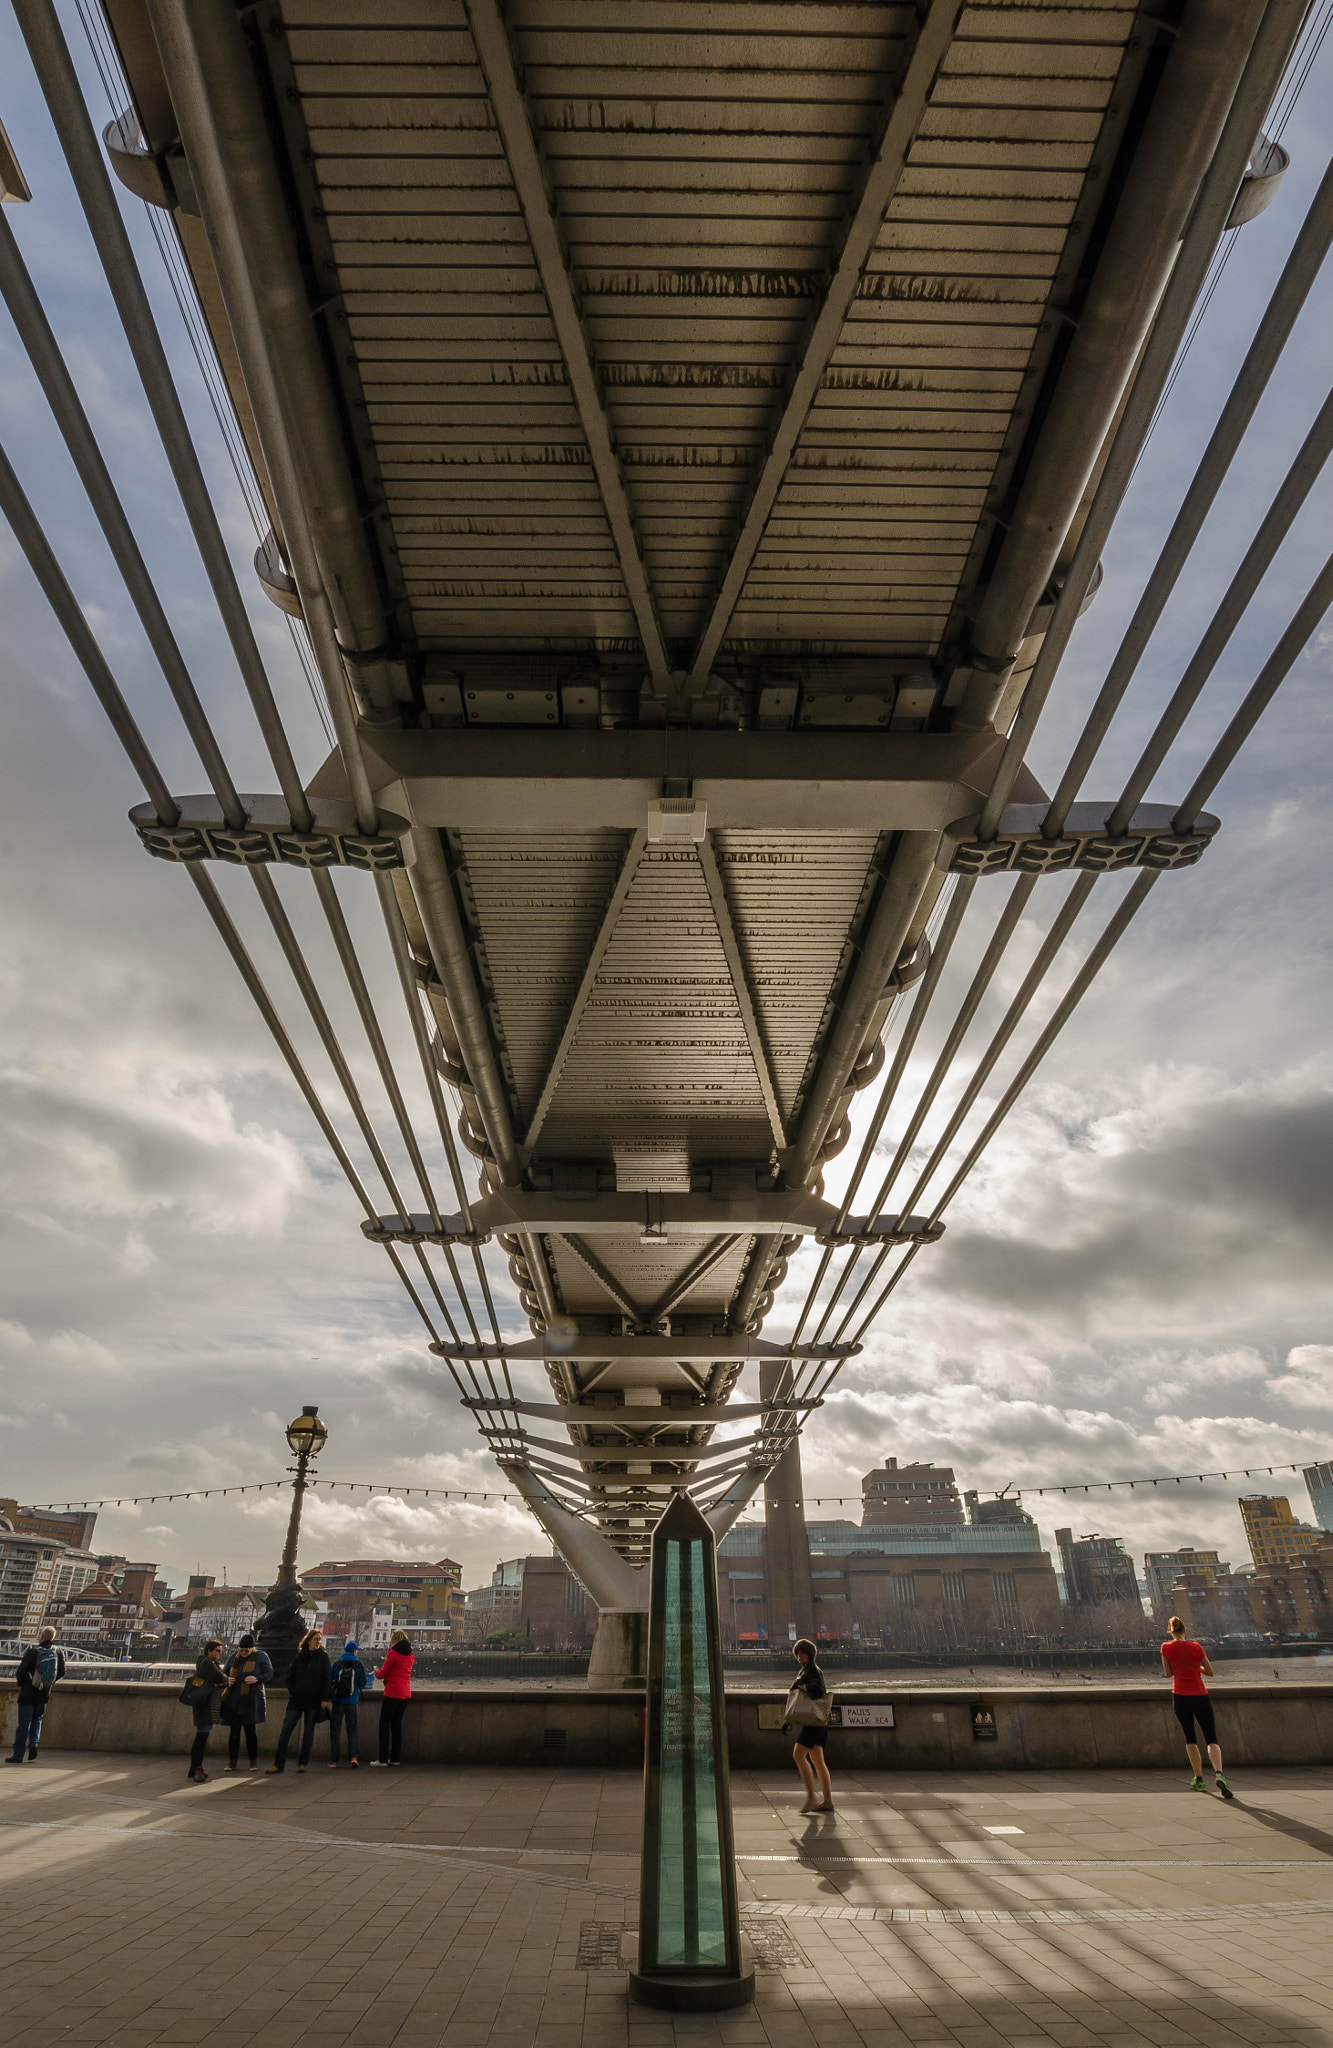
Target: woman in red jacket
(395,1675)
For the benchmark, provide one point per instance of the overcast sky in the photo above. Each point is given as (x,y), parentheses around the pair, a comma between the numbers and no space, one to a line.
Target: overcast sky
(1135,1282)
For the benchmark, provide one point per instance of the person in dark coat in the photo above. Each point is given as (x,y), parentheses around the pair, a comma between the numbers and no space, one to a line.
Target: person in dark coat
(309,1692)
(205,1707)
(39,1667)
(244,1704)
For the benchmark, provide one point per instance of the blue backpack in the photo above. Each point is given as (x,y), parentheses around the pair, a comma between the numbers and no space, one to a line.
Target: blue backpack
(46,1668)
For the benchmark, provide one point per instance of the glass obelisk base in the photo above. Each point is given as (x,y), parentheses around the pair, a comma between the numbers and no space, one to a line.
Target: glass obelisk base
(690,1955)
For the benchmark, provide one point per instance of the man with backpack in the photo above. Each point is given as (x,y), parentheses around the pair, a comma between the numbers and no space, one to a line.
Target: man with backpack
(350,1679)
(39,1668)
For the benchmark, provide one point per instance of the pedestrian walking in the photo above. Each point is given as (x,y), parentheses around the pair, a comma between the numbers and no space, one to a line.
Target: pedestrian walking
(245,1703)
(350,1679)
(307,1700)
(39,1667)
(395,1675)
(204,1692)
(808,1705)
(1186,1664)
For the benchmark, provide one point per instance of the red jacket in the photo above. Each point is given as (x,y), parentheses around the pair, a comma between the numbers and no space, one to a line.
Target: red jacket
(395,1674)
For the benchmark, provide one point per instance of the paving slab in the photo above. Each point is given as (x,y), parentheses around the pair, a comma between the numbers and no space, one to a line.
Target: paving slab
(485,1909)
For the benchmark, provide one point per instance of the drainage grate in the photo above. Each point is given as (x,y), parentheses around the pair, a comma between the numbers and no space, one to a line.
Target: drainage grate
(599,1945)
(553,1745)
(773,1947)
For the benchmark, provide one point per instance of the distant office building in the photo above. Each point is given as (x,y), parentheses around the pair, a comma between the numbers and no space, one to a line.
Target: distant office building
(1212,1603)
(913,1587)
(1165,1568)
(540,1597)
(917,1496)
(1318,1480)
(72,1528)
(1098,1571)
(1272,1531)
(36,1577)
(999,1510)
(497,1606)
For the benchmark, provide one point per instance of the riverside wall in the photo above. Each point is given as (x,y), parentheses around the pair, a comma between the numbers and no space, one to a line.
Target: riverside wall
(1096,1728)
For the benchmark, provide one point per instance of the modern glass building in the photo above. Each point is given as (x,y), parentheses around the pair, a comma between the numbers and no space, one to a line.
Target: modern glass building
(1319,1483)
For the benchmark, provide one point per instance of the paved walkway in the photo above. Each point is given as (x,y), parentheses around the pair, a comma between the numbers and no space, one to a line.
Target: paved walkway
(485,1910)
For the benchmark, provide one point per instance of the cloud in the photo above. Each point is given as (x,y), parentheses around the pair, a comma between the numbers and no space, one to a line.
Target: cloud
(1308,1380)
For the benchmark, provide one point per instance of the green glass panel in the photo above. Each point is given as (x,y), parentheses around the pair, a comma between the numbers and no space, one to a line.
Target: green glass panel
(691,1923)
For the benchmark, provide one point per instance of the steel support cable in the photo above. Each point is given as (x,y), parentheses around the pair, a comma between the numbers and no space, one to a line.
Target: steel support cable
(1277,522)
(274,910)
(958,903)
(1293,288)
(28,532)
(276,913)
(193,103)
(32,540)
(43,352)
(356,981)
(952,906)
(59,82)
(959,898)
(1047,953)
(981,980)
(398,945)
(1317,601)
(1114,931)
(1217,193)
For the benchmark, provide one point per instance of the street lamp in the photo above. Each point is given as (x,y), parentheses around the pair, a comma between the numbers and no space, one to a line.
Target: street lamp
(307,1437)
(280,1631)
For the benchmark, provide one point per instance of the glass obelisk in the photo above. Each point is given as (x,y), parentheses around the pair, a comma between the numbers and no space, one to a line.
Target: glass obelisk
(689,1925)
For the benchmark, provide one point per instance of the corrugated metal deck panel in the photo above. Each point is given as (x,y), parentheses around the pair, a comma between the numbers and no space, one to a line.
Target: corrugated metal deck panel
(538,902)
(702,164)
(793,898)
(660,1061)
(928,380)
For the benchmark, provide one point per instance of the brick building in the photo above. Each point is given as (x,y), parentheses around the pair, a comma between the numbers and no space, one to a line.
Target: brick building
(914,1587)
(72,1528)
(1294,1596)
(110,1617)
(350,1590)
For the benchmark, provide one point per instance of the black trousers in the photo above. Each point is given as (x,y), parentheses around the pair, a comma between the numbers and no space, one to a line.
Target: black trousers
(251,1734)
(291,1720)
(198,1746)
(391,1729)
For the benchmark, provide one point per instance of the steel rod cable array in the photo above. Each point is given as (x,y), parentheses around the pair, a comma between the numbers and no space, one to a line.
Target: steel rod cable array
(448,1301)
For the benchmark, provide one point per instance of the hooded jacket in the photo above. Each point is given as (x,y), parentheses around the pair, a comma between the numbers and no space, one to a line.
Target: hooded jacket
(395,1673)
(349,1661)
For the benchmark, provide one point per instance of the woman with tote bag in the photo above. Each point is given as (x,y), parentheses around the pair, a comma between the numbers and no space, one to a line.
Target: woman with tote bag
(808,1705)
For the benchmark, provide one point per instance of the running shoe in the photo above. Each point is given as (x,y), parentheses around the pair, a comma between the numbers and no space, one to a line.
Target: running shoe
(1223,1786)
(1196,1784)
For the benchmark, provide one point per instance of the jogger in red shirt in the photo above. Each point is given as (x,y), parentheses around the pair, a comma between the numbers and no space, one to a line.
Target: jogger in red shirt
(1186,1665)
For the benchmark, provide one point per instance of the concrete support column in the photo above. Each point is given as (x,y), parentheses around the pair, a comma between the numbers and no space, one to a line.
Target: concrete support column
(789,1596)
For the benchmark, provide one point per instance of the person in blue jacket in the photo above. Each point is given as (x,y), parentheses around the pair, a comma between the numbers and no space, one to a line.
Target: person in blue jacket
(350,1679)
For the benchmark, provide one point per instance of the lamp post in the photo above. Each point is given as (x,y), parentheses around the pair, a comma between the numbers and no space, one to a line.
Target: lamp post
(280,1631)
(307,1437)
